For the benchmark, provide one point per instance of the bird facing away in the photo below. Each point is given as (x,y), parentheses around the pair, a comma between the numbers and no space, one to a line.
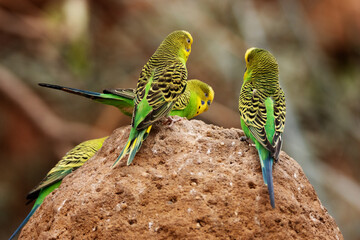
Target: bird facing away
(161,82)
(262,110)
(74,159)
(195,100)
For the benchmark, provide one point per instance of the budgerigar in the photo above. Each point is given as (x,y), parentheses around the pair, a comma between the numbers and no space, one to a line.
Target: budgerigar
(262,110)
(196,99)
(74,159)
(161,82)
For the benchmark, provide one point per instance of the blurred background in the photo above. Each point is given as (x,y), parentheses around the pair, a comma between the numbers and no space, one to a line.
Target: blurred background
(95,45)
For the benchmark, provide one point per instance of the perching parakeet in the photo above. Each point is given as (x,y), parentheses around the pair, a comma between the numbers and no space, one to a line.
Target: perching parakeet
(195,100)
(161,82)
(74,159)
(262,110)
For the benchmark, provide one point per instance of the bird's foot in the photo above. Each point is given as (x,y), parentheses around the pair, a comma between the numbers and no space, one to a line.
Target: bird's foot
(171,120)
(244,139)
(247,140)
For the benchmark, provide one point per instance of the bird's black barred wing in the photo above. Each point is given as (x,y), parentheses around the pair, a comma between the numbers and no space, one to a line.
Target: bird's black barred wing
(167,86)
(253,112)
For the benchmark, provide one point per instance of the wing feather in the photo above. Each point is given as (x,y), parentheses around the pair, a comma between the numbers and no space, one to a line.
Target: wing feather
(127,92)
(253,112)
(166,87)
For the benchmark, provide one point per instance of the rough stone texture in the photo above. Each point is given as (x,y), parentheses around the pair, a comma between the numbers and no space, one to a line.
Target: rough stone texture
(189,181)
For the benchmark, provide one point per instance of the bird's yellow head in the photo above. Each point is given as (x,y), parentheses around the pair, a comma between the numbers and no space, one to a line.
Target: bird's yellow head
(205,95)
(259,61)
(187,41)
(247,54)
(178,43)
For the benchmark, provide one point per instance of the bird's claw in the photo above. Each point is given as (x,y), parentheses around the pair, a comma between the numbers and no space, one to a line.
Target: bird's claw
(171,120)
(246,139)
(243,138)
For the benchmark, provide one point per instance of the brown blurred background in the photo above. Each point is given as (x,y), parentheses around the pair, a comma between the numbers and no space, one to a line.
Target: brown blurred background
(95,45)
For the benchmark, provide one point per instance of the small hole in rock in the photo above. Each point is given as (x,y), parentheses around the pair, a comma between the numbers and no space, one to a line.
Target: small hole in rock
(201,222)
(251,185)
(119,191)
(173,199)
(194,180)
(132,221)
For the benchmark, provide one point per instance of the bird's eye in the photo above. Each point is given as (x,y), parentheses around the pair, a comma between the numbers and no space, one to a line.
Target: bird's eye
(202,102)
(188,40)
(208,102)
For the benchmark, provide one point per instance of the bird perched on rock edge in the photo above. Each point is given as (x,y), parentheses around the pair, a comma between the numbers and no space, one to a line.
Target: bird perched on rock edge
(161,82)
(196,99)
(262,110)
(74,159)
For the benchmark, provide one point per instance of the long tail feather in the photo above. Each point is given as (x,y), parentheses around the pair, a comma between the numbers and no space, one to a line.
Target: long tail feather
(142,135)
(134,148)
(123,152)
(264,173)
(269,179)
(137,143)
(266,162)
(24,221)
(124,101)
(88,94)
(136,138)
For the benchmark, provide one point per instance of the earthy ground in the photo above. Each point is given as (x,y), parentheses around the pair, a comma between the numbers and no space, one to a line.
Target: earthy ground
(189,181)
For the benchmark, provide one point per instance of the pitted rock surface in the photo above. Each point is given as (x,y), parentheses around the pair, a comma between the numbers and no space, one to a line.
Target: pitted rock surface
(190,180)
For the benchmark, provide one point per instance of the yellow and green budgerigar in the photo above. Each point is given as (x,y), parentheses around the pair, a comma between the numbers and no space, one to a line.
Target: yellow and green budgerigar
(262,110)
(162,80)
(74,159)
(195,100)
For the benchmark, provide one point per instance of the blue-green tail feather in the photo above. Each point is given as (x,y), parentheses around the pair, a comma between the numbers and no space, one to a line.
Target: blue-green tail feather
(39,200)
(266,167)
(76,91)
(123,100)
(125,151)
(36,206)
(269,180)
(136,138)
(264,175)
(142,135)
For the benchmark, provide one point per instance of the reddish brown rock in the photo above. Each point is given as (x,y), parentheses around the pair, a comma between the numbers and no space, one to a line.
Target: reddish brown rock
(189,181)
